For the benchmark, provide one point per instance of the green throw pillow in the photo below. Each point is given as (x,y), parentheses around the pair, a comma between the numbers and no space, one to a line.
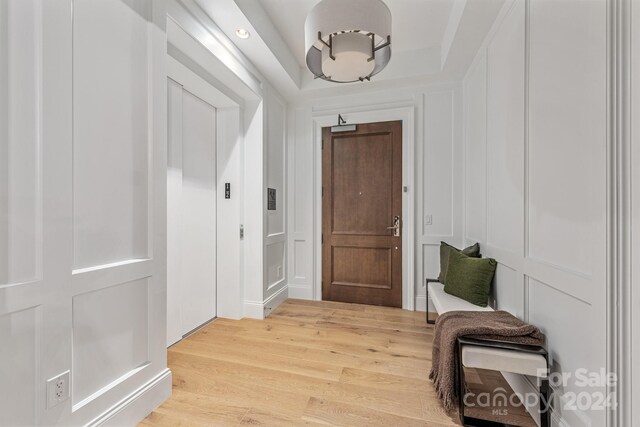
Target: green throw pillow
(470,278)
(472,251)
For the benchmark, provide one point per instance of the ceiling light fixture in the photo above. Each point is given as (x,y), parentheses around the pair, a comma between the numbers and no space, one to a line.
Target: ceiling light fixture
(348,40)
(242,33)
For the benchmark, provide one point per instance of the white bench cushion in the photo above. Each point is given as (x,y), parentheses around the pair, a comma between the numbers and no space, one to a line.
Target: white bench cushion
(444,302)
(497,359)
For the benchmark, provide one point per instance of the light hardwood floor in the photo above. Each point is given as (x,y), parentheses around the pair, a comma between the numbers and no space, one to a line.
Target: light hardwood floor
(309,363)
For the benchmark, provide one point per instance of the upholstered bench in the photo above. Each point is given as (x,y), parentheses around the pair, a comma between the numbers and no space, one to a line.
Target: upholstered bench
(443,302)
(491,355)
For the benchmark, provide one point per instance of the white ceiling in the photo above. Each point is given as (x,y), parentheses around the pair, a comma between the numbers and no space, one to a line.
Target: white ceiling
(417,24)
(432,41)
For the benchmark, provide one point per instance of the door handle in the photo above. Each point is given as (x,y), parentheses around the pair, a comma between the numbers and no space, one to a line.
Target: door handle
(396,226)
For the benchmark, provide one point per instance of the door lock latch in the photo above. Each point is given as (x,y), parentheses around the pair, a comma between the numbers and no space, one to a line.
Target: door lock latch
(396,226)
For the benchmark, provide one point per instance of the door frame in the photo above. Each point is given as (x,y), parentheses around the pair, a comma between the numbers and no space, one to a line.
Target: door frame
(227,120)
(360,115)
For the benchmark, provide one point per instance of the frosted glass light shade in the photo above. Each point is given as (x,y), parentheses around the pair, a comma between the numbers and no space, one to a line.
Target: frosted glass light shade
(336,32)
(351,52)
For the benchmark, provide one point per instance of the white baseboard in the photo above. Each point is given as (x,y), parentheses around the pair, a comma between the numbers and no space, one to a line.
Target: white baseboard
(300,292)
(260,310)
(275,300)
(253,309)
(133,408)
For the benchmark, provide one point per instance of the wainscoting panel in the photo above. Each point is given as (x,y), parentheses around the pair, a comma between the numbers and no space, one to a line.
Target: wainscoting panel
(431,261)
(475,119)
(275,153)
(274,259)
(300,273)
(301,175)
(554,308)
(110,337)
(19,399)
(565,320)
(299,258)
(567,131)
(20,141)
(509,290)
(111,132)
(438,161)
(275,233)
(505,133)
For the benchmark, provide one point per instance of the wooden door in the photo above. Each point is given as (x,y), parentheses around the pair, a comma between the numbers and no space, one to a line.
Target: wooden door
(362,194)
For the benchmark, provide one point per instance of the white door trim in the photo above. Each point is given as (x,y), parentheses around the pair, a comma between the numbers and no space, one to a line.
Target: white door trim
(357,116)
(622,325)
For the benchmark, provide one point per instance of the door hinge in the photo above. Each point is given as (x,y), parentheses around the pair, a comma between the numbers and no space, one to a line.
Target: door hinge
(322,238)
(322,145)
(322,191)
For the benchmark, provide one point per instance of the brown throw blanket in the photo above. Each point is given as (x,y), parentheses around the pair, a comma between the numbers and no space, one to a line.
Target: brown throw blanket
(490,325)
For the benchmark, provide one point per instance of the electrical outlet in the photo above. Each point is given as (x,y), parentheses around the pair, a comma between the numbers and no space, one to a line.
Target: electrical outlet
(279,272)
(57,389)
(428,219)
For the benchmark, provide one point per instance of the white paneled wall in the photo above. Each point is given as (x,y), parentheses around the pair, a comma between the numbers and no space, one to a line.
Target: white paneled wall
(82,161)
(34,207)
(505,133)
(104,352)
(441,174)
(83,173)
(21,127)
(475,153)
(438,162)
(19,332)
(113,214)
(535,186)
(436,190)
(275,284)
(110,122)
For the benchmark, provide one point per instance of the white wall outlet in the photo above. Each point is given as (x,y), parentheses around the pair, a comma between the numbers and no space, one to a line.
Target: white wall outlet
(428,219)
(279,272)
(58,389)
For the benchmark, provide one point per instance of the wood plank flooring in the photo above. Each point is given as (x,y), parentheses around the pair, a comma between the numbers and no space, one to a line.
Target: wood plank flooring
(309,363)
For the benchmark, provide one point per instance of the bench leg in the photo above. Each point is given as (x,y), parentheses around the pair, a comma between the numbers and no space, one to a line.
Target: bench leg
(429,322)
(545,415)
(461,389)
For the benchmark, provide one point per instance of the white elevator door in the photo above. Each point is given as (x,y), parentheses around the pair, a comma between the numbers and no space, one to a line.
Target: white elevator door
(191,214)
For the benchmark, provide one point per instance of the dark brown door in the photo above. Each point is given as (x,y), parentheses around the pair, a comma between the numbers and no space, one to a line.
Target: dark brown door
(362,195)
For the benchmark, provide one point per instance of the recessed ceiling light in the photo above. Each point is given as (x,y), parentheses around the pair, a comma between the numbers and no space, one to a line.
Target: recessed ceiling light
(242,33)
